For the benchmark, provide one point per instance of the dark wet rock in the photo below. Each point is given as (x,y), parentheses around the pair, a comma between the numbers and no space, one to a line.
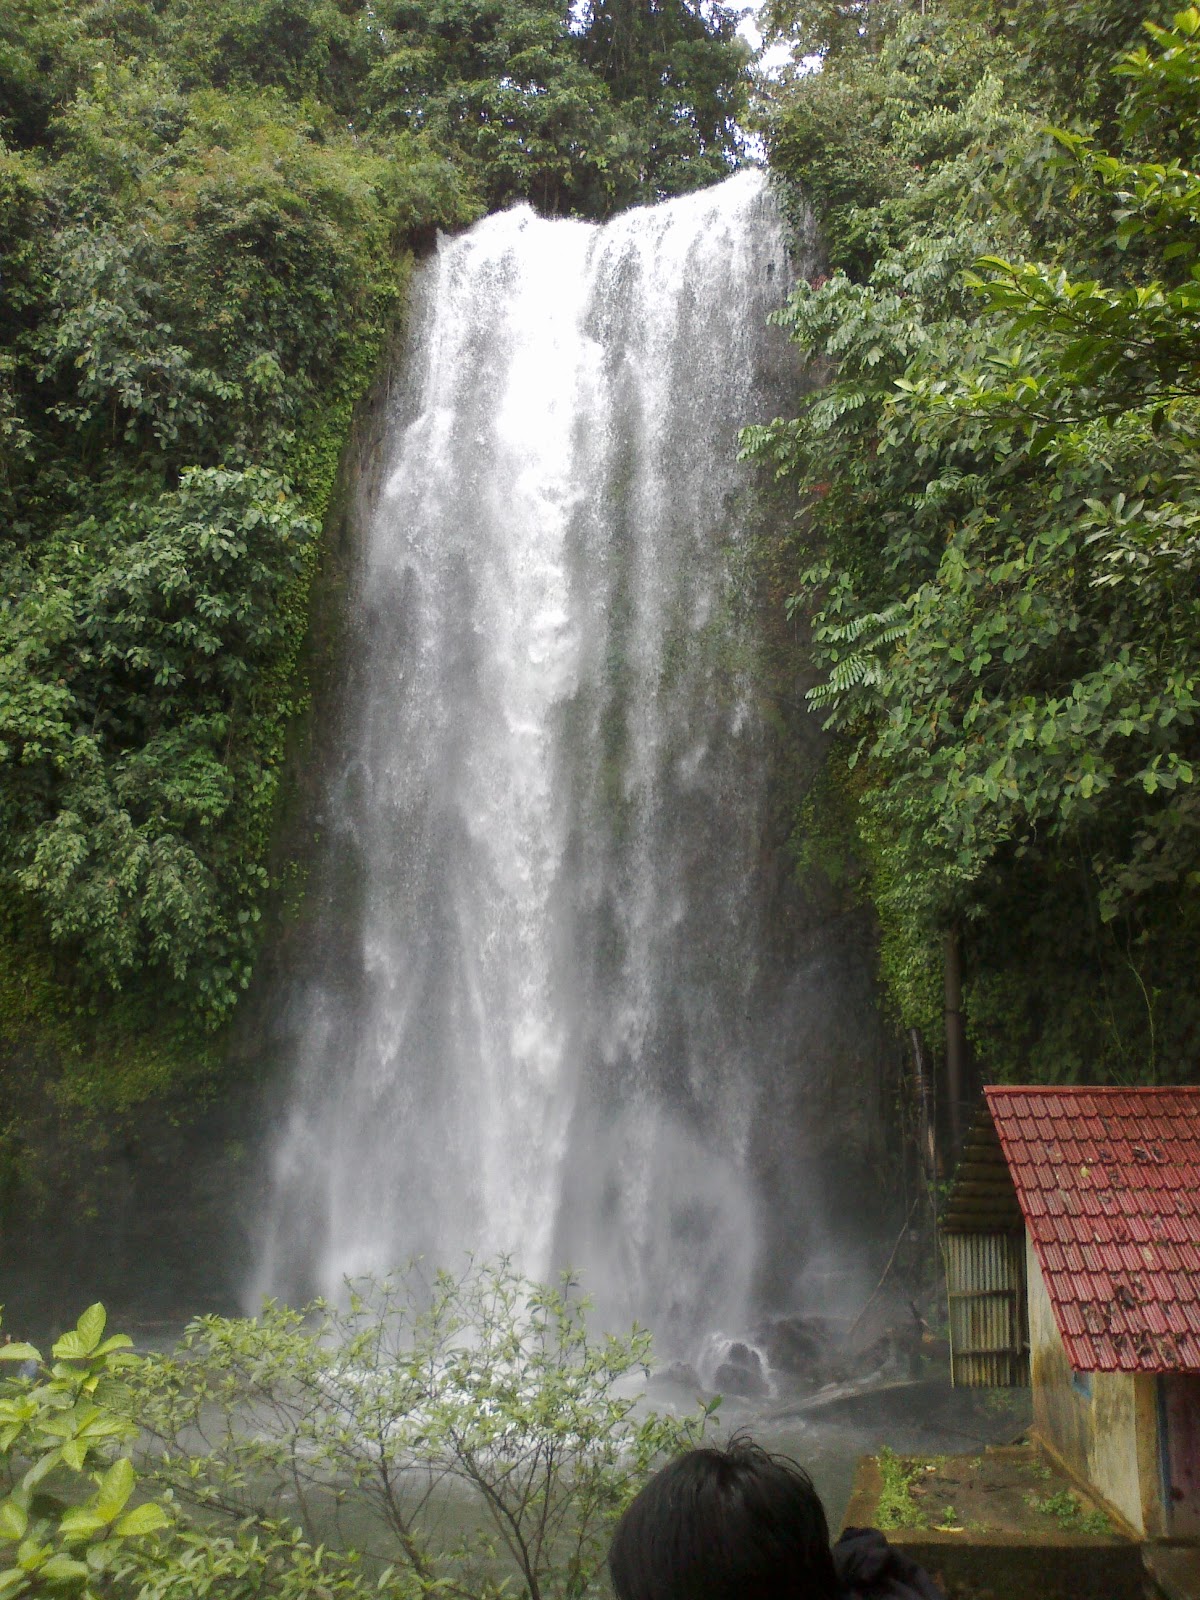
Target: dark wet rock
(804,1347)
(813,1352)
(795,1345)
(878,1354)
(741,1373)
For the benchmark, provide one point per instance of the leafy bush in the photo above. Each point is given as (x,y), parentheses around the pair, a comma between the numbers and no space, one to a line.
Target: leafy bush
(896,1507)
(473,1428)
(61,1432)
(488,1432)
(128,655)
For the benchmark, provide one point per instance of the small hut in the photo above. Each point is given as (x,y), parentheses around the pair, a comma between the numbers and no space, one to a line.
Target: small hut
(1072,1244)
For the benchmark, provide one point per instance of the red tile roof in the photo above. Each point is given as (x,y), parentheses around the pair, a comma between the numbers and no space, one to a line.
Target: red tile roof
(1108,1181)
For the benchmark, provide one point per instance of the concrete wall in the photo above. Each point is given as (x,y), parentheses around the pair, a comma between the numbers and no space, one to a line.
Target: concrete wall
(1108,1440)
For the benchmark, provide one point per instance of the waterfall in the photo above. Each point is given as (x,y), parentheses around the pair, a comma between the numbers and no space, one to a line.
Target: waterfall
(542,1019)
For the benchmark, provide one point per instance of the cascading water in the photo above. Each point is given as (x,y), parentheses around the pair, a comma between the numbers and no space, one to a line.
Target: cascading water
(543,1019)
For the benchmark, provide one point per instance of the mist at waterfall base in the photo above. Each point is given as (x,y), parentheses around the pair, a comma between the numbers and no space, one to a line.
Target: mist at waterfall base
(543,1010)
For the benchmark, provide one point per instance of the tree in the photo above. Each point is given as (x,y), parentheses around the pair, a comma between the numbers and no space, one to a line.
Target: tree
(502,86)
(472,1429)
(486,1392)
(1006,609)
(126,654)
(67,1525)
(304,47)
(677,71)
(194,289)
(830,28)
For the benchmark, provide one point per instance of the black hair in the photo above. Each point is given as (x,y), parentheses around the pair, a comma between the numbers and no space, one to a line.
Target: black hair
(732,1524)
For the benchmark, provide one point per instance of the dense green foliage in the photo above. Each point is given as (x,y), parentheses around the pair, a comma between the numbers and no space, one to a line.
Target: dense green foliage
(998,528)
(207,216)
(471,1436)
(634,102)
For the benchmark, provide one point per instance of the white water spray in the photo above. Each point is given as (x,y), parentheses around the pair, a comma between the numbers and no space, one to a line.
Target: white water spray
(541,1019)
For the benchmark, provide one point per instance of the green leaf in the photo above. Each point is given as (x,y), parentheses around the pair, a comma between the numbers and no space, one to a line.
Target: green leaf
(143,1519)
(71,1347)
(117,1341)
(90,1326)
(14,1519)
(19,1352)
(42,1468)
(81,1522)
(62,1569)
(115,1488)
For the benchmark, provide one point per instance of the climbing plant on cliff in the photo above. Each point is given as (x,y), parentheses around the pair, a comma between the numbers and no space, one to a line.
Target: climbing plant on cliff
(997,497)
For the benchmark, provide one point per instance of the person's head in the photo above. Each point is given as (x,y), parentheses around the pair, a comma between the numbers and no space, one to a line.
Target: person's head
(732,1524)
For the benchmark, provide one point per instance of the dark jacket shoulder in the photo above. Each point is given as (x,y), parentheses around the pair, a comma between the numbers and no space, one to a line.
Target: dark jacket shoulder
(869,1568)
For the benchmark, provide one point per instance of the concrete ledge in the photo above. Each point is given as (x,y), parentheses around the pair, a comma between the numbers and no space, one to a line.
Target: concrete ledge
(1013,1569)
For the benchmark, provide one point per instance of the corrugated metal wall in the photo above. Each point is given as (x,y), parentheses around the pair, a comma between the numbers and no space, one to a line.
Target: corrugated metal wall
(989,1322)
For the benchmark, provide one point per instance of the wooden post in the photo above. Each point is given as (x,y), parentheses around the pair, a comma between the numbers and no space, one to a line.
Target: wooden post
(956,1045)
(926,1104)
